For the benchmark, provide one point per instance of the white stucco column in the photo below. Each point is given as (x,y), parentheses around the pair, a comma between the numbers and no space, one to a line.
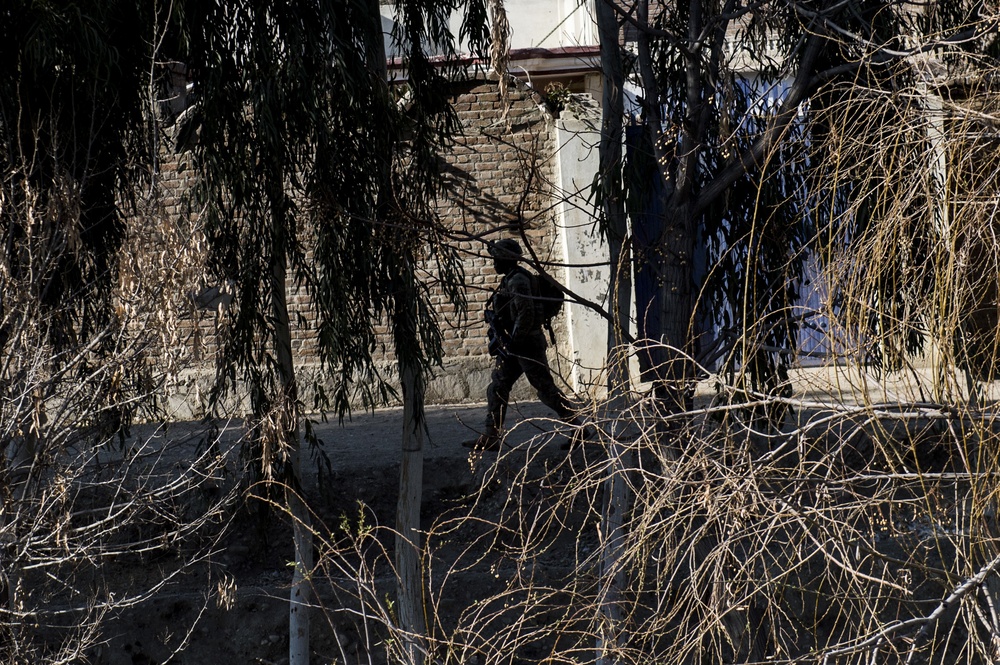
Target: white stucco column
(586,255)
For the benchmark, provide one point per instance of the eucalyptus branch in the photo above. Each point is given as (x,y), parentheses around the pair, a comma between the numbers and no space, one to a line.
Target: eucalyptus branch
(644,27)
(750,159)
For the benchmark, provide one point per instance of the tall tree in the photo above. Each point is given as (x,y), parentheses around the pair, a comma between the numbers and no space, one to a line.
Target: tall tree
(776,132)
(313,171)
(749,108)
(615,229)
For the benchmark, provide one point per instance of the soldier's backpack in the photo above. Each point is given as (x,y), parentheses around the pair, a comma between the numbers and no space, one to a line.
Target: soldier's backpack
(549,299)
(551,296)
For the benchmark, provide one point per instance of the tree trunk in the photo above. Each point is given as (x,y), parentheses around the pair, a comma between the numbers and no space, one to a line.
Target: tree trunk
(617,497)
(410,596)
(410,593)
(677,305)
(300,594)
(678,241)
(678,238)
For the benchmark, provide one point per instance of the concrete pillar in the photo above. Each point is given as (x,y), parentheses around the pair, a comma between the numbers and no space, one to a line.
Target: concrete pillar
(584,251)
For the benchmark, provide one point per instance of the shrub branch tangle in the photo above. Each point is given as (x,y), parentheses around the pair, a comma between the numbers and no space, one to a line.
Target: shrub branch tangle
(856,521)
(80,494)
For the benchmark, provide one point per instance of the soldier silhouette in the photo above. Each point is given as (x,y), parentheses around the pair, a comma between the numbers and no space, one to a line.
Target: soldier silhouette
(517,342)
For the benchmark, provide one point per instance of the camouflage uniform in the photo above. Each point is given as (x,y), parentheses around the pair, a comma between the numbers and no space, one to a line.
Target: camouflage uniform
(519,320)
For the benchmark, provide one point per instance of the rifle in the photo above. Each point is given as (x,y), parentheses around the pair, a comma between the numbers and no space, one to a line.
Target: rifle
(498,340)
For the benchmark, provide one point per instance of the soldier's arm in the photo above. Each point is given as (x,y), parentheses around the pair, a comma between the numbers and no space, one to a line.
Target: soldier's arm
(523,305)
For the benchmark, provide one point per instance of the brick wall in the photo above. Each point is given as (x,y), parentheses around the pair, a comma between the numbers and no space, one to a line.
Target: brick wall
(499,176)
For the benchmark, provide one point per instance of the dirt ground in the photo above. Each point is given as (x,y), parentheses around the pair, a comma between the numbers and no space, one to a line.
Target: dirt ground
(533,524)
(248,570)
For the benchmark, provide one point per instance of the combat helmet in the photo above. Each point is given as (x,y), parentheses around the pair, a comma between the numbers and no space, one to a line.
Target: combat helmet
(506,249)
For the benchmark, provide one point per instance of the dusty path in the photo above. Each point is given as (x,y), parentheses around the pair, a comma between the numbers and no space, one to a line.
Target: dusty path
(377,435)
(368,440)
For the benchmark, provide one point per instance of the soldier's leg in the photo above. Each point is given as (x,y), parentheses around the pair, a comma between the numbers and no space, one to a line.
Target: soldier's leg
(506,372)
(536,368)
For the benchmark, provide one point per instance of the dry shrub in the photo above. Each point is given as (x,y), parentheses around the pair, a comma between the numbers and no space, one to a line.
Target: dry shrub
(90,497)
